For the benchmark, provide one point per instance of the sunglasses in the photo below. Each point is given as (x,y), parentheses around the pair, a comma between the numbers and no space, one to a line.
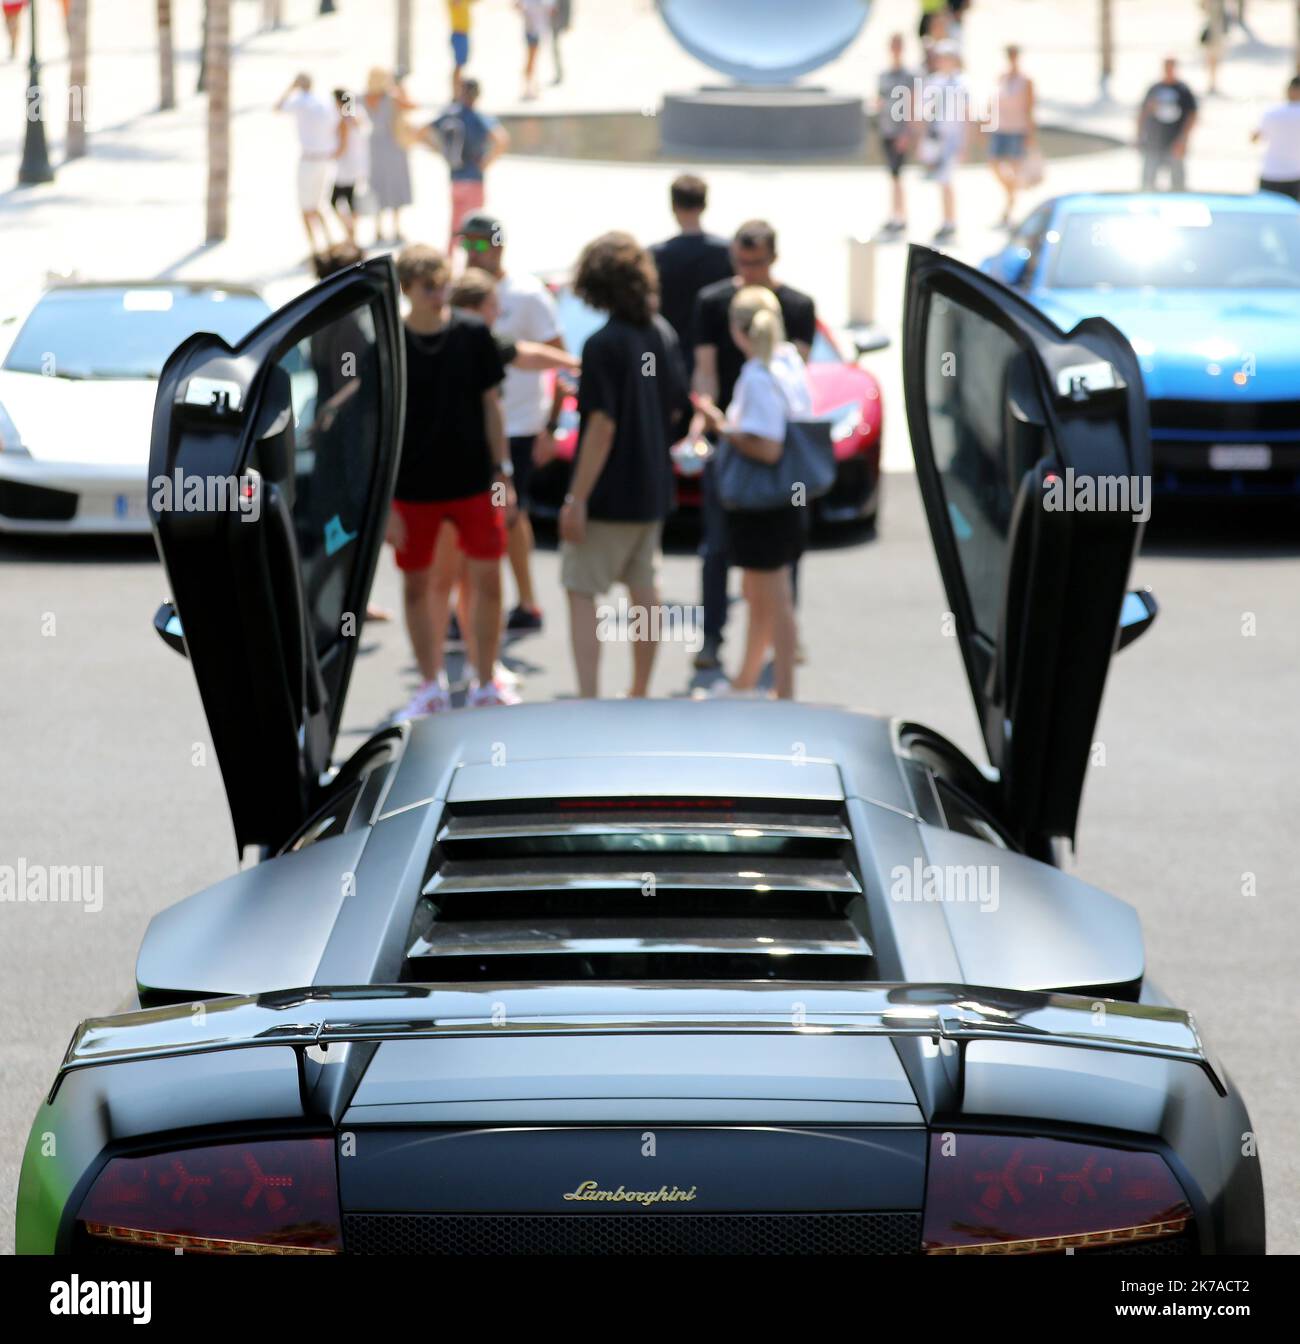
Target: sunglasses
(476,244)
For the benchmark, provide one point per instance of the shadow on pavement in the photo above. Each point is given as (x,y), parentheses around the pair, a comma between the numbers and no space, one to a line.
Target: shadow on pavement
(1224,529)
(75,550)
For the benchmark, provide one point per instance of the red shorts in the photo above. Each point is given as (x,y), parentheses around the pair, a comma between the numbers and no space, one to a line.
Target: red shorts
(480,528)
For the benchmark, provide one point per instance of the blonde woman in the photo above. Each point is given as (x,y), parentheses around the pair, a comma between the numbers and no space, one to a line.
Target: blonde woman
(386,105)
(772,390)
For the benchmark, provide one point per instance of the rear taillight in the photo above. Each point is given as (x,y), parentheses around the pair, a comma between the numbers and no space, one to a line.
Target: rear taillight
(272,1197)
(1000,1195)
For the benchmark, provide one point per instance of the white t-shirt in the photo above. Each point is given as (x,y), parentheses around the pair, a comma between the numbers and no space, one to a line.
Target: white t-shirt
(527,314)
(354,165)
(766,396)
(1280,129)
(318,123)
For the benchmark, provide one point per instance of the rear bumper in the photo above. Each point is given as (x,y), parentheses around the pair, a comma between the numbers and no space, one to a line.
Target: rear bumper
(44,498)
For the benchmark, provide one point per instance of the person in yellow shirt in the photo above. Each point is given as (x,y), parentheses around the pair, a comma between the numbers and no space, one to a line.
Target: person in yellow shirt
(460,23)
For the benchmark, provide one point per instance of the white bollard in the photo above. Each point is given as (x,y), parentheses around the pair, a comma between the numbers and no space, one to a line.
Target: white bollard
(862,282)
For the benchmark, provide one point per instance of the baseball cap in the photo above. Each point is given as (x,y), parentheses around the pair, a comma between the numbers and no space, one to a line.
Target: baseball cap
(482,224)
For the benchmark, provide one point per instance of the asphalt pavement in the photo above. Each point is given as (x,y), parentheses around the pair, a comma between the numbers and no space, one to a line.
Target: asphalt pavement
(106,762)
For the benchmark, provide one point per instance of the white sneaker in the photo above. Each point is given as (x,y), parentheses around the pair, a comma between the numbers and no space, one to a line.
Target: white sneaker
(434,697)
(722,689)
(501,674)
(488,693)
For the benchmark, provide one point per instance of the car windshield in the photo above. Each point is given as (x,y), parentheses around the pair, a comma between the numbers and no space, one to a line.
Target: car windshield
(104,331)
(578,322)
(1187,245)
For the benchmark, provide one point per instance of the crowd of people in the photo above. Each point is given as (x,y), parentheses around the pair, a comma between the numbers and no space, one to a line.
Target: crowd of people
(929,115)
(353,154)
(703,341)
(354,149)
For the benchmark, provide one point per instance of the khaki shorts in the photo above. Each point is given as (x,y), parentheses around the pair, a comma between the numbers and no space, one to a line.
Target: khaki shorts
(612,553)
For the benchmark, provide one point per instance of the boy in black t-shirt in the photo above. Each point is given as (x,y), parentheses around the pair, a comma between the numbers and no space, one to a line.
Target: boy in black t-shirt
(475,291)
(633,402)
(455,468)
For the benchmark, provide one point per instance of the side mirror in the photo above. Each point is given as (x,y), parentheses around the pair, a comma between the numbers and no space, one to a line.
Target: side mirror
(867,339)
(1136,616)
(168,625)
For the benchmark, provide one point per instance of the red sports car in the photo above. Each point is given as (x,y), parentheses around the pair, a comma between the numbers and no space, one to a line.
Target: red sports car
(843,392)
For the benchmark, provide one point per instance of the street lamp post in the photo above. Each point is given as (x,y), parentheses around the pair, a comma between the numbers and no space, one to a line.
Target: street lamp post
(35,166)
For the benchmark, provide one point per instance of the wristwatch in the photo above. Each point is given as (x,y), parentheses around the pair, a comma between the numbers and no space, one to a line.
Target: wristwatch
(506,469)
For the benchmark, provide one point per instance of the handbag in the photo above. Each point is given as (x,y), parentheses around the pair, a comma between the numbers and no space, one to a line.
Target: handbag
(1032,169)
(807,461)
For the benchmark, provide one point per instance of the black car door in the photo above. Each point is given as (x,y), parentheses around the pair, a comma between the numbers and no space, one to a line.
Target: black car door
(1033,457)
(271,468)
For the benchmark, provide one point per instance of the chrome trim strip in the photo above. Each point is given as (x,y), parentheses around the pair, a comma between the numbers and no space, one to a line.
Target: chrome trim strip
(786,779)
(732,872)
(764,938)
(406,807)
(327,1016)
(741,825)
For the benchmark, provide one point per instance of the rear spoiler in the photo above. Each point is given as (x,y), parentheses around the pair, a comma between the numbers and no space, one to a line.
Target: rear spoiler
(321,1017)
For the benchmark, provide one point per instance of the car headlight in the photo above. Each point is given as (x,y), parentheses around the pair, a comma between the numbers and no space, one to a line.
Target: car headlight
(845,422)
(10,442)
(690,455)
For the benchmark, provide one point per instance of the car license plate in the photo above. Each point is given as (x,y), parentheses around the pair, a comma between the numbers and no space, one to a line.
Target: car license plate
(1240,456)
(130,508)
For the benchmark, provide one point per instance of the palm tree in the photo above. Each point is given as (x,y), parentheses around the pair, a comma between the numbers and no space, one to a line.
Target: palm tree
(78,20)
(403,38)
(166,58)
(1214,34)
(1107,46)
(217,46)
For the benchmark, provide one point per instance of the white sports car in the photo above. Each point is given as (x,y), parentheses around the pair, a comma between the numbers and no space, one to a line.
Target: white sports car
(77,391)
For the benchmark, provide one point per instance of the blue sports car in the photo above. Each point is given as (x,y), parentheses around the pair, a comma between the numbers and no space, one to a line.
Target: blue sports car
(1207,290)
